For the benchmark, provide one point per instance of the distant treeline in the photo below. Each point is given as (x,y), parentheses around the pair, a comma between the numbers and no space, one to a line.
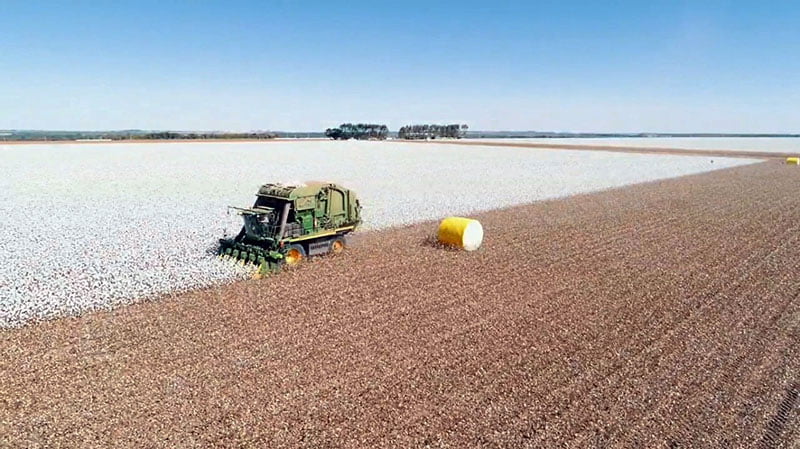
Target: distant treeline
(169,135)
(362,131)
(13,135)
(345,131)
(371,131)
(453,131)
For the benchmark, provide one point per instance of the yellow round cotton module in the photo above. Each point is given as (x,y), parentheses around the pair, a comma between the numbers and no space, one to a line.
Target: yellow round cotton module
(461,232)
(793,160)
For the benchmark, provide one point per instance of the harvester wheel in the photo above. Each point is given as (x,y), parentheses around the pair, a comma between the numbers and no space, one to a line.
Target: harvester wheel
(294,255)
(337,245)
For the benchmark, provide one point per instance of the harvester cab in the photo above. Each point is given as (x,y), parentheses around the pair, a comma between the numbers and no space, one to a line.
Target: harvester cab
(288,223)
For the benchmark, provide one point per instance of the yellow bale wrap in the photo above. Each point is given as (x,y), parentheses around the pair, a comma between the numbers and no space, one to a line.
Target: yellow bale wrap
(461,232)
(793,160)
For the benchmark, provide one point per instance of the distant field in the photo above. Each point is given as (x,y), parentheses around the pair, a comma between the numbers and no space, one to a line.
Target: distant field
(93,226)
(758,144)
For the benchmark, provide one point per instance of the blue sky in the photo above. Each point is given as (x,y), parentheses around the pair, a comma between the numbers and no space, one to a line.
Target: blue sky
(615,66)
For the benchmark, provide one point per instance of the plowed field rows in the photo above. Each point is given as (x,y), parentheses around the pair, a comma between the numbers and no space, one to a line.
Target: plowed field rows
(659,315)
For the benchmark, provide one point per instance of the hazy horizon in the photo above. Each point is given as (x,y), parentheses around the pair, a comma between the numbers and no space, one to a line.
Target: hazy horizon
(487,131)
(582,67)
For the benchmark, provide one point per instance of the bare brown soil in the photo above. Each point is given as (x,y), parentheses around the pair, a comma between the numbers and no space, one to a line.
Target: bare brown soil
(660,315)
(619,149)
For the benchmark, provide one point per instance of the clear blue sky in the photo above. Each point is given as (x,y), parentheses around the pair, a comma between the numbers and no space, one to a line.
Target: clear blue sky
(673,66)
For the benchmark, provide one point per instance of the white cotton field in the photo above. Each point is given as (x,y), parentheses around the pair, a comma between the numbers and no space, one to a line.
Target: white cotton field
(93,226)
(755,144)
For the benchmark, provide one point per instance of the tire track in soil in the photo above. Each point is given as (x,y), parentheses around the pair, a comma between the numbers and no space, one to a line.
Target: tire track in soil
(705,366)
(776,370)
(762,342)
(778,423)
(427,346)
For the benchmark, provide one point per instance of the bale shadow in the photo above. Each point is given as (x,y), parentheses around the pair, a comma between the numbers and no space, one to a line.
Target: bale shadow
(432,241)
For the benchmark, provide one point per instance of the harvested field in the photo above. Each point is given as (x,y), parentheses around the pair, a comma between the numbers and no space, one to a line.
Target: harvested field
(618,147)
(659,315)
(89,227)
(764,145)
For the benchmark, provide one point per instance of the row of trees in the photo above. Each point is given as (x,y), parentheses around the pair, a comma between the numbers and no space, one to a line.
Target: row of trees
(171,135)
(46,136)
(358,131)
(379,132)
(454,131)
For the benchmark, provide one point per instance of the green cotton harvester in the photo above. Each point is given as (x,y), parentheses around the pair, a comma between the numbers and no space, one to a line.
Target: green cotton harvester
(288,223)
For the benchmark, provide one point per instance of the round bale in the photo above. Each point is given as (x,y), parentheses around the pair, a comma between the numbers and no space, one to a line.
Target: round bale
(461,232)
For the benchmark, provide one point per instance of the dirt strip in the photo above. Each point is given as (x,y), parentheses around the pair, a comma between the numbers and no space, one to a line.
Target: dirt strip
(665,314)
(618,149)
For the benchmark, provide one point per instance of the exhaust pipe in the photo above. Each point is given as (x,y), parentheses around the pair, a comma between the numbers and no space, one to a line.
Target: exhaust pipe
(284,217)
